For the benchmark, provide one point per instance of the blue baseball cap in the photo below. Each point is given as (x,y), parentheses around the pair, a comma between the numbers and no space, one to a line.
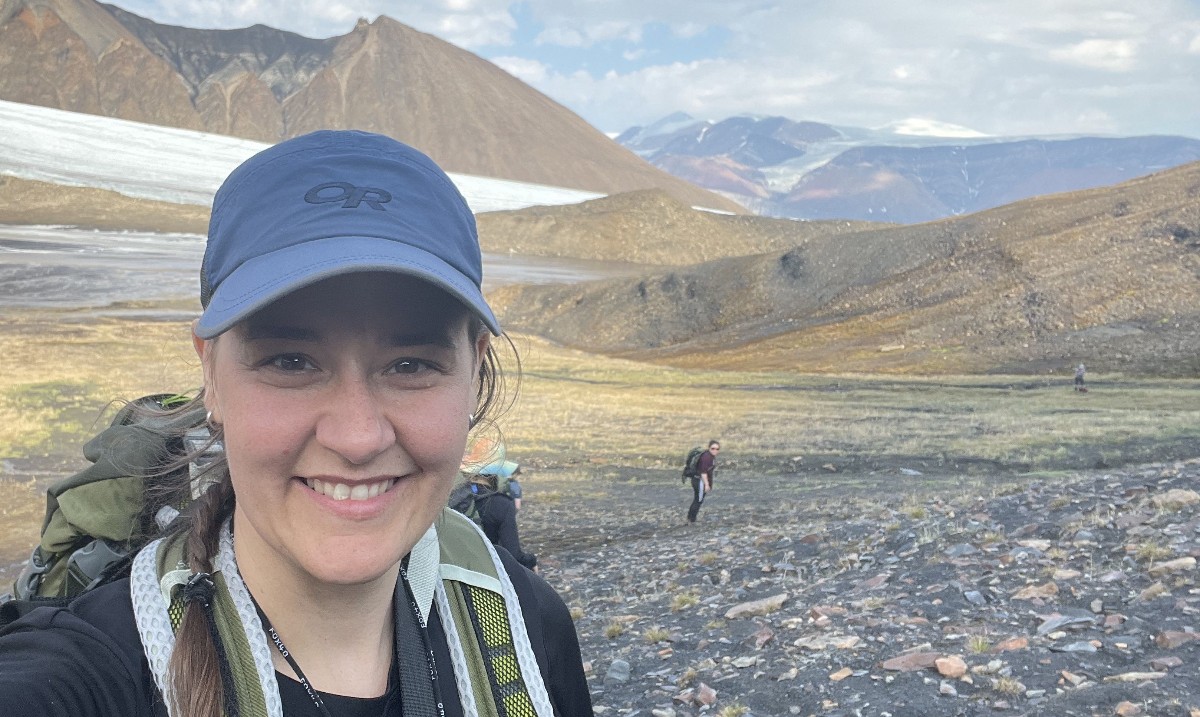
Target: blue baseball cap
(331,203)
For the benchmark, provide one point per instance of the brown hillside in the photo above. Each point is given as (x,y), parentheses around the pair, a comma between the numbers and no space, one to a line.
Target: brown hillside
(1108,276)
(266,84)
(24,201)
(648,227)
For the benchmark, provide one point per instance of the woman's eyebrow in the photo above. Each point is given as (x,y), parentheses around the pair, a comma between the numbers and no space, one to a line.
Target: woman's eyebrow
(261,332)
(426,337)
(432,337)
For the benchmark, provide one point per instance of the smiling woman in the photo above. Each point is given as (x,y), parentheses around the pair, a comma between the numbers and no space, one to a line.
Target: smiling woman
(346,350)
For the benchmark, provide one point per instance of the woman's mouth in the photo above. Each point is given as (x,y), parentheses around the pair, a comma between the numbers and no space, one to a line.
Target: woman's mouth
(343,491)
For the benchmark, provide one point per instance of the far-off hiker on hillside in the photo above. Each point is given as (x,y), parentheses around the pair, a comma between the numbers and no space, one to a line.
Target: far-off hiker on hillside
(1080,370)
(702,480)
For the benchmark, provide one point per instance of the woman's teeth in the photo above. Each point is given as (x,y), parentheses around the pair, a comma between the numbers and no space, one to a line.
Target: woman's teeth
(341,491)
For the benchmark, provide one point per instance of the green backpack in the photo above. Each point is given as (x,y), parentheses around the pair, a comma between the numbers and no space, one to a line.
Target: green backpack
(96,518)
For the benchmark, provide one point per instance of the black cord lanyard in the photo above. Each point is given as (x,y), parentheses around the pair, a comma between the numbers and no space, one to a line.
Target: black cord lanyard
(417,695)
(312,693)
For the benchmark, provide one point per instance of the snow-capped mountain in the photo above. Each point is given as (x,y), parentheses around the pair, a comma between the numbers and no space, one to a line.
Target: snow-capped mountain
(177,165)
(912,170)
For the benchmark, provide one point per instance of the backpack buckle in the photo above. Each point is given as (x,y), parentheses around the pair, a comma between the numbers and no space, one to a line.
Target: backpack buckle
(30,580)
(88,566)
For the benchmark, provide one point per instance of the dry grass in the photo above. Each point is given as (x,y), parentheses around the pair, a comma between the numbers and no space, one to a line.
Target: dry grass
(1152,552)
(978,644)
(683,601)
(1008,686)
(63,370)
(575,405)
(656,634)
(687,678)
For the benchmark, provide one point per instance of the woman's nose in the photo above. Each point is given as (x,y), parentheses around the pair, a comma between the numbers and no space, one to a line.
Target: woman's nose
(356,427)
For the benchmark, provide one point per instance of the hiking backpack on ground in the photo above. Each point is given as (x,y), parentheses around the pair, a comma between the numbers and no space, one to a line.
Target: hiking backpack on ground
(691,464)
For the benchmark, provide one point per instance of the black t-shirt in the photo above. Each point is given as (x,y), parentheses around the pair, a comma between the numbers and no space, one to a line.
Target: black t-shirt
(87,660)
(297,703)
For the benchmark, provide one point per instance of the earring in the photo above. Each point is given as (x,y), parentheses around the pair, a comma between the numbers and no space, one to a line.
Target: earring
(208,419)
(471,421)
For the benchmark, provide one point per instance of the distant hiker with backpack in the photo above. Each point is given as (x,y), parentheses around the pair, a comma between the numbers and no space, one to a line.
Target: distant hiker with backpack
(487,455)
(314,568)
(700,470)
(479,498)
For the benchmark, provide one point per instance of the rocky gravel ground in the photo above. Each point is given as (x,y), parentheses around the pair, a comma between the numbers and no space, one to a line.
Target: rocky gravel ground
(1064,595)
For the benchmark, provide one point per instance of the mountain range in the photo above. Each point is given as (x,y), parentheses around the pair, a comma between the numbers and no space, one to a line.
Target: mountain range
(265,84)
(905,174)
(1107,276)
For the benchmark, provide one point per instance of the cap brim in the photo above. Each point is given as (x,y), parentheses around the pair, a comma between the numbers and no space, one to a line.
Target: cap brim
(264,279)
(502,469)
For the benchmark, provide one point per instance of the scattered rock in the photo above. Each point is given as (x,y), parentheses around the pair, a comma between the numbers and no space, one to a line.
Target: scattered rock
(961,550)
(1128,709)
(1172,566)
(1031,592)
(1012,643)
(952,667)
(1162,664)
(1173,639)
(911,662)
(756,608)
(986,604)
(1135,676)
(1175,498)
(618,672)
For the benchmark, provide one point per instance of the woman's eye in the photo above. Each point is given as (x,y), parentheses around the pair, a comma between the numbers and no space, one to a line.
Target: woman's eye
(409,366)
(290,362)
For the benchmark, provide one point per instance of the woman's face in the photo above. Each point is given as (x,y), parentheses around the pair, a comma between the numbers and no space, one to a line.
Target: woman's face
(345,407)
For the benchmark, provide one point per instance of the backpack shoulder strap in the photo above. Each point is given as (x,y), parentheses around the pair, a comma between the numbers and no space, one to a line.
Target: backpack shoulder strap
(485,626)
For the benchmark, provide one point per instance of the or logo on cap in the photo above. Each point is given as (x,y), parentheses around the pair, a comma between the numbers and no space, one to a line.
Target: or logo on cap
(349,195)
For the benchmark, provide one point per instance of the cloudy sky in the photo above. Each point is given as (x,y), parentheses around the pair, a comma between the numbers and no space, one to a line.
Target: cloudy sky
(998,67)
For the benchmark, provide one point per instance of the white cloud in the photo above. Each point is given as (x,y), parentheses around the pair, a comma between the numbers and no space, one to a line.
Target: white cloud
(477,30)
(688,29)
(466,23)
(562,36)
(1030,66)
(531,72)
(921,127)
(1112,55)
(590,34)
